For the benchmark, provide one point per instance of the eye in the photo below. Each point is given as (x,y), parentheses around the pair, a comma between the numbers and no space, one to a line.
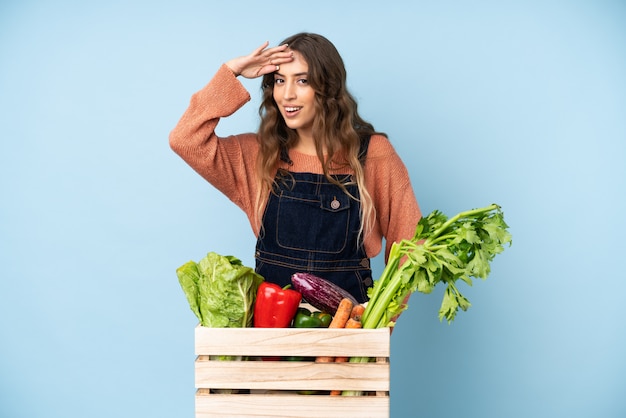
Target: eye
(278,80)
(303,81)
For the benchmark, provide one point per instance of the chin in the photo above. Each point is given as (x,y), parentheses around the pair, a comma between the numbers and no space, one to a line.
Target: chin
(293,126)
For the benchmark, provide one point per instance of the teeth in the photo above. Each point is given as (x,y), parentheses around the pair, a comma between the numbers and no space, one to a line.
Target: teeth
(292,109)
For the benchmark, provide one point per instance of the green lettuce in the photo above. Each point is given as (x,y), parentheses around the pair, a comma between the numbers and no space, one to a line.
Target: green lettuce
(220,290)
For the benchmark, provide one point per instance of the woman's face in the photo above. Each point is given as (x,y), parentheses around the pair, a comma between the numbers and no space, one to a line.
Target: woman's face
(294,96)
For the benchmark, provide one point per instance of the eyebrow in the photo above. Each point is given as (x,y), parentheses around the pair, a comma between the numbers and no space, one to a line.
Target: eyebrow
(295,75)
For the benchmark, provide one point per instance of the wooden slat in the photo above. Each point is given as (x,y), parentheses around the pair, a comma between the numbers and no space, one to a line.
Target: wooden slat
(293,406)
(292,342)
(274,385)
(288,375)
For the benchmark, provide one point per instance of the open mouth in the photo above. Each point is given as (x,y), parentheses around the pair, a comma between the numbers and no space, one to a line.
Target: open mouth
(291,110)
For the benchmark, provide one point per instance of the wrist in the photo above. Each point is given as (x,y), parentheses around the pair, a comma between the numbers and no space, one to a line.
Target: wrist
(230,67)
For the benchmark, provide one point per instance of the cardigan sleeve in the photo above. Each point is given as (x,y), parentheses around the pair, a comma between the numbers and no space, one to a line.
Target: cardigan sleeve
(227,163)
(397,209)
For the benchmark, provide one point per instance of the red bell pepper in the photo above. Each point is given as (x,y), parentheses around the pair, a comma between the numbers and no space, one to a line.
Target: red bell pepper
(275,307)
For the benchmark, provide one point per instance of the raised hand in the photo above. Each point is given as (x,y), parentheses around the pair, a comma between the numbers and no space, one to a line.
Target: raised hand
(261,61)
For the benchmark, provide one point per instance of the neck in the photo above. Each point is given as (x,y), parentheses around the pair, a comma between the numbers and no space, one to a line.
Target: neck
(305,144)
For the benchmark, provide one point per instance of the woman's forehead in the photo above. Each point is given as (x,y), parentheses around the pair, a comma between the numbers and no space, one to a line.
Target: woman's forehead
(298,66)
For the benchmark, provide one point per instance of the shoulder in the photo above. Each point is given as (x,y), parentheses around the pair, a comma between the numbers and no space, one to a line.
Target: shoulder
(381,148)
(383,165)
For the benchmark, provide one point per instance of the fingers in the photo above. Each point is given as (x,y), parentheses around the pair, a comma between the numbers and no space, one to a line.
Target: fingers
(264,51)
(260,49)
(277,49)
(282,58)
(276,55)
(272,58)
(267,69)
(261,61)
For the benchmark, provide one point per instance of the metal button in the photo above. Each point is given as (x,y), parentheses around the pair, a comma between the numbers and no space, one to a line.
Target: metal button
(335,203)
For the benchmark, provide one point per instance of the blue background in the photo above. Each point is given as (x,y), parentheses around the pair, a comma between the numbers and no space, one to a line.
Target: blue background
(522,103)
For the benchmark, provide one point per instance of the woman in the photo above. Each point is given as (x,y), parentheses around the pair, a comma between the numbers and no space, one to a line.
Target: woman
(320,187)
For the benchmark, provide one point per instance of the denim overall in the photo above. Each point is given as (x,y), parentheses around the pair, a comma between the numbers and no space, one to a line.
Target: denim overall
(311,225)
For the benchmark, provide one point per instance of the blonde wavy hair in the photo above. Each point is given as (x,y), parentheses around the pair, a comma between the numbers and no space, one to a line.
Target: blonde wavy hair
(337,126)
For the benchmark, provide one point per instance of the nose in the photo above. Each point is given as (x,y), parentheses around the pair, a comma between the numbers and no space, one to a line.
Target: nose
(289,92)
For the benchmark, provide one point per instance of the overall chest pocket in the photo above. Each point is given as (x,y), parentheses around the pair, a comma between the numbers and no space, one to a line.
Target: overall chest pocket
(315,223)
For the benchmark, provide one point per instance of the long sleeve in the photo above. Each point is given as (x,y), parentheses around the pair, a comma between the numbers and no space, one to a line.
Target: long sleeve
(227,163)
(397,210)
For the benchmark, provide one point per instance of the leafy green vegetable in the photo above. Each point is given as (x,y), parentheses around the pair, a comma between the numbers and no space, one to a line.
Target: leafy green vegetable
(442,251)
(220,290)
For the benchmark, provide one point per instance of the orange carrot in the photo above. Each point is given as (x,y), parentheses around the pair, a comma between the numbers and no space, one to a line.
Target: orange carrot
(351,323)
(343,314)
(339,321)
(357,312)
(324,359)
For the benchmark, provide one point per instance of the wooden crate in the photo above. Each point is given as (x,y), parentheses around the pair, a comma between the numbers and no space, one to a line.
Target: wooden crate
(274,388)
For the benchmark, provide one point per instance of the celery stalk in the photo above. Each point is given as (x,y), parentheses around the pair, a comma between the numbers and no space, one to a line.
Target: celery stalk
(441,251)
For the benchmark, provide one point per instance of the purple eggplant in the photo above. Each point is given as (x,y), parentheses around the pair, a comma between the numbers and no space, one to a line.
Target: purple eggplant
(320,293)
